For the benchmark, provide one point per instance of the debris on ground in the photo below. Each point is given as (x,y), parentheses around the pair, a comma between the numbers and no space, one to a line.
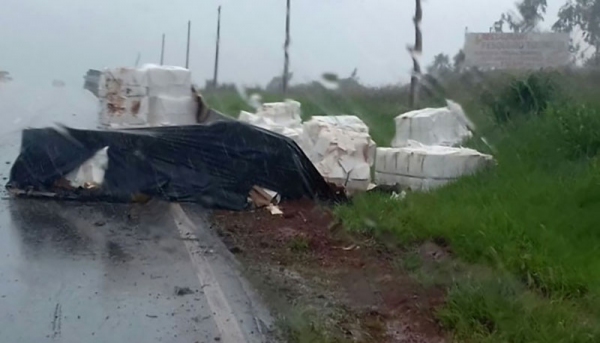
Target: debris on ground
(264,198)
(181,291)
(398,196)
(261,197)
(354,285)
(275,210)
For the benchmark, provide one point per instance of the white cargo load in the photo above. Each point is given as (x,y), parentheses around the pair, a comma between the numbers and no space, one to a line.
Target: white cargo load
(343,122)
(283,114)
(148,96)
(445,126)
(268,124)
(421,167)
(341,149)
(168,110)
(148,80)
(121,111)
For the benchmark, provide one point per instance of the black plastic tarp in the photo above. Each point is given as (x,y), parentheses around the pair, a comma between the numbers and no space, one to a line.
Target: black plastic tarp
(215,165)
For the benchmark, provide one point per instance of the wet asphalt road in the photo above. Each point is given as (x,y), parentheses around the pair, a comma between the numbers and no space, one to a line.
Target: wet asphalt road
(97,272)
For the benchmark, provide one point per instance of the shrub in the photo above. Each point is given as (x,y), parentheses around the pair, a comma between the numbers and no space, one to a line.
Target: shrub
(579,129)
(522,96)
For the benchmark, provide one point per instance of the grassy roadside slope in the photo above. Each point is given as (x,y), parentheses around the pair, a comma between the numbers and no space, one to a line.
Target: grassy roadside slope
(533,221)
(524,233)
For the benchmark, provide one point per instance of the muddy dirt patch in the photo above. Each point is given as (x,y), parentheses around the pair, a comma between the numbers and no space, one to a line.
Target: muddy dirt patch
(355,283)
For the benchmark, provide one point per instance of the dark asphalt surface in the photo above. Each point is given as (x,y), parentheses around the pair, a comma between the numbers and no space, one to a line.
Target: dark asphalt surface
(97,272)
(90,273)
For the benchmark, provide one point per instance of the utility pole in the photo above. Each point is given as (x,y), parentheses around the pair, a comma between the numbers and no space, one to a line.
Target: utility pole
(137,59)
(162,51)
(286,62)
(415,53)
(216,74)
(187,53)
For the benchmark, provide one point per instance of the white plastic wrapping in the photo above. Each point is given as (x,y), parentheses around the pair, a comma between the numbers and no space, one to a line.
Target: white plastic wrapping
(91,173)
(422,167)
(431,126)
(341,149)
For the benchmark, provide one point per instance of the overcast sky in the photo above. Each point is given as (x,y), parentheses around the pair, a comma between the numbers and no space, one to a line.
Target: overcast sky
(61,39)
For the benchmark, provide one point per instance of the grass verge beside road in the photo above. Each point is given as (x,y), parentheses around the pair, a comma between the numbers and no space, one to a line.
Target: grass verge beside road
(522,238)
(533,220)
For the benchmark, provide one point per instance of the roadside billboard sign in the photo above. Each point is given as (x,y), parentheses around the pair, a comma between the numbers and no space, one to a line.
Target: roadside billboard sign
(516,50)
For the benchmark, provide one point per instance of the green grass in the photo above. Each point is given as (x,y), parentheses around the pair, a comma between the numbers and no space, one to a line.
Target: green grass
(300,326)
(533,221)
(501,310)
(299,244)
(535,217)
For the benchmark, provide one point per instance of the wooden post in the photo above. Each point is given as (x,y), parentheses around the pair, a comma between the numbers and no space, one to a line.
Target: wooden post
(162,51)
(286,62)
(187,53)
(415,53)
(216,74)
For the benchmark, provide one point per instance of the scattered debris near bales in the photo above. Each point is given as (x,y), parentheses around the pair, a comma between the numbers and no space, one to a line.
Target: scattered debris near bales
(181,291)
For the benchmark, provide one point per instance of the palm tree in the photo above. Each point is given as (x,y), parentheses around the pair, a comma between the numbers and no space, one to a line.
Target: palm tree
(441,65)
(459,60)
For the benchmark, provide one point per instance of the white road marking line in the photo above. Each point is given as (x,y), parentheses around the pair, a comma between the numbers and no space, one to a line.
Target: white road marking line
(222,314)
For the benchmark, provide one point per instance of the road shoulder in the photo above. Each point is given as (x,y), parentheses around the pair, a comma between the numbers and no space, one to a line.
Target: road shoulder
(327,285)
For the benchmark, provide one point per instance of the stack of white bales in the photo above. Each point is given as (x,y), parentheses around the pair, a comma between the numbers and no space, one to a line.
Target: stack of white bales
(423,155)
(148,96)
(340,147)
(281,117)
